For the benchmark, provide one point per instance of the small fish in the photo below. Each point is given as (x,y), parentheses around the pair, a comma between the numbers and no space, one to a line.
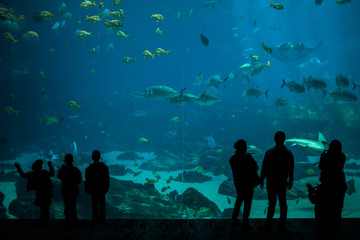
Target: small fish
(137,173)
(93,19)
(42,74)
(190,14)
(159,31)
(310,172)
(144,140)
(82,34)
(87,4)
(266,48)
(10,110)
(277,6)
(49,121)
(176,119)
(148,54)
(200,169)
(152,181)
(160,51)
(178,16)
(268,65)
(255,58)
(228,200)
(128,59)
(265,210)
(9,37)
(297,200)
(93,50)
(165,188)
(122,34)
(205,41)
(158,17)
(73,105)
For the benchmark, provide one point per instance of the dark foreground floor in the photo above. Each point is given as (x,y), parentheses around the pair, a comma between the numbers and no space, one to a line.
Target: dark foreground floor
(167,229)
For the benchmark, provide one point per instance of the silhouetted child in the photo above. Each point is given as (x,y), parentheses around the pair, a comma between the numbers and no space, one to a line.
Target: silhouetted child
(70,177)
(244,169)
(39,180)
(278,169)
(97,183)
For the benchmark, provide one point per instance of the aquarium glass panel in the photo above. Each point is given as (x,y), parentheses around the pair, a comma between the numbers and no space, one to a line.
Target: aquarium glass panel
(164,88)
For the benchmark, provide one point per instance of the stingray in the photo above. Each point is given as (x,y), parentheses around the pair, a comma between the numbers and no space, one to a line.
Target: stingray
(291,51)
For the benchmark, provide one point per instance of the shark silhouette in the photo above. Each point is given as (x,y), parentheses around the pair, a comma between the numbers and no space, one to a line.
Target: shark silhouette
(313,146)
(291,51)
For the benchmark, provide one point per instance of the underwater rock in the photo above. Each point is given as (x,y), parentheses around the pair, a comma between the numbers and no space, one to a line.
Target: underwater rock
(129,156)
(7,177)
(227,188)
(168,160)
(119,170)
(198,206)
(133,200)
(23,210)
(192,177)
(213,161)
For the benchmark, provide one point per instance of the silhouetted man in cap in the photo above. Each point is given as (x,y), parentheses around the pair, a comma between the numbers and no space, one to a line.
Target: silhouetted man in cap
(278,169)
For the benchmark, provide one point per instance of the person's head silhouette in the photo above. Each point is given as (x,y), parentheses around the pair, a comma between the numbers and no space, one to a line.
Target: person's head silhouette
(279,138)
(335,146)
(240,146)
(96,155)
(37,165)
(69,159)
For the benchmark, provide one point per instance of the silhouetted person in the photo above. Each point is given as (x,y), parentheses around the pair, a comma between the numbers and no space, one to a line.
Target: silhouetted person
(70,177)
(97,183)
(39,180)
(278,169)
(243,167)
(332,178)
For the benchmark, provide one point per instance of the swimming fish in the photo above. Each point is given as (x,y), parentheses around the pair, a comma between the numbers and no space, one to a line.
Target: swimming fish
(205,41)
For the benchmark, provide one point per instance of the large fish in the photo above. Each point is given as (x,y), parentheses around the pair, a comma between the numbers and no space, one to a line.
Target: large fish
(160,92)
(210,4)
(291,51)
(313,146)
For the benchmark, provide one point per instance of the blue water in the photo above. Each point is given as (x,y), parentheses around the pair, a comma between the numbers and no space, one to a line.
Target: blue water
(109,118)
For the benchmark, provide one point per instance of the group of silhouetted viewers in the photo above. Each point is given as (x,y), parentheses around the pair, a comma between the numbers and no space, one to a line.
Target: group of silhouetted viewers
(278,170)
(97,183)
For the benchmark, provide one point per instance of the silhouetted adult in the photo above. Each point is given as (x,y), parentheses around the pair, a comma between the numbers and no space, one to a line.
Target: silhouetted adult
(39,180)
(278,169)
(244,168)
(332,178)
(97,183)
(70,177)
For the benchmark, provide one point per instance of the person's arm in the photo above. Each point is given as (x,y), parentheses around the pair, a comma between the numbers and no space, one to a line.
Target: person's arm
(60,174)
(291,170)
(20,171)
(263,170)
(107,179)
(79,177)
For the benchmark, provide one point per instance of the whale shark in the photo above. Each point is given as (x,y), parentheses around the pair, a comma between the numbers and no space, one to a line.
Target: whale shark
(313,146)
(291,51)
